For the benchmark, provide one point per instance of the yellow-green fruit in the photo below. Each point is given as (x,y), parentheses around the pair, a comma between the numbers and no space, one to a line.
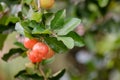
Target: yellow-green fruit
(46,4)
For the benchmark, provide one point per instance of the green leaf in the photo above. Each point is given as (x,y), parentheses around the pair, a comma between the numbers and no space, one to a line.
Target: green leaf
(2,40)
(57,75)
(11,53)
(27,1)
(57,46)
(25,25)
(1,8)
(40,30)
(5,28)
(78,40)
(23,29)
(58,20)
(25,9)
(20,72)
(68,41)
(30,77)
(70,25)
(32,15)
(47,61)
(3,19)
(33,24)
(20,45)
(30,73)
(103,3)
(10,2)
(12,19)
(37,16)
(19,28)
(47,17)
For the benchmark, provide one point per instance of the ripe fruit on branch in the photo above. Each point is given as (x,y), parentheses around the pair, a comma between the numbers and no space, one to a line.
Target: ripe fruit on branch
(29,43)
(46,4)
(39,52)
(41,48)
(49,54)
(35,56)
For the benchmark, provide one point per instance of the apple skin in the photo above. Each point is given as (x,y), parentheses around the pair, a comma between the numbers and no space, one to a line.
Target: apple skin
(41,48)
(49,54)
(35,56)
(47,4)
(29,43)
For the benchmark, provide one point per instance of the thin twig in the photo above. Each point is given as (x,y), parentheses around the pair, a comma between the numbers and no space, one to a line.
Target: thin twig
(42,72)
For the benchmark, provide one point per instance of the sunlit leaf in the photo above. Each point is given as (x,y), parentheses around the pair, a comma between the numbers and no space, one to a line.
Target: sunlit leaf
(68,41)
(48,17)
(58,20)
(12,19)
(37,16)
(78,40)
(19,28)
(40,30)
(23,29)
(70,25)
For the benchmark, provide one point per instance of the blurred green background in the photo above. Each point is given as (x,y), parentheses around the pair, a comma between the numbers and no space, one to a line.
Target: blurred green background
(99,59)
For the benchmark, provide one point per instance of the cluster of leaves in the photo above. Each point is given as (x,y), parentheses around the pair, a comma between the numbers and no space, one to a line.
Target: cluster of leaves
(52,28)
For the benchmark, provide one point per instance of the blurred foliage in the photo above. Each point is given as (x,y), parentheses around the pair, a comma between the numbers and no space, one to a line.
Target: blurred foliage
(101,20)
